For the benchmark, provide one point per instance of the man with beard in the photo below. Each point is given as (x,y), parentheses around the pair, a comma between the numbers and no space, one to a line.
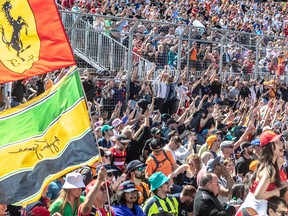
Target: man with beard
(242,164)
(185,200)
(160,202)
(135,174)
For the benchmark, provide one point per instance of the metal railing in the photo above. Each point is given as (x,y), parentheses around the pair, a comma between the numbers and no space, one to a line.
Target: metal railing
(104,52)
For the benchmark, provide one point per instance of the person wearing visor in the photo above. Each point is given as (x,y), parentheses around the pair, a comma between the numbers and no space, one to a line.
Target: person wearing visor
(119,152)
(126,200)
(160,202)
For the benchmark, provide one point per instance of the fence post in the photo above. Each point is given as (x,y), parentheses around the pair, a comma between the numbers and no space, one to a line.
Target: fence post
(73,32)
(221,56)
(179,52)
(256,70)
(130,60)
(188,53)
(86,38)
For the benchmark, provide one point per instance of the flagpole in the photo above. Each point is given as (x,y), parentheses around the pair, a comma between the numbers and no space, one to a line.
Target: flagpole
(96,138)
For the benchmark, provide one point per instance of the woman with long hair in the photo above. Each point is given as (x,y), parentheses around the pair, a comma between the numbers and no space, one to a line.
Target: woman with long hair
(126,201)
(265,181)
(69,199)
(187,173)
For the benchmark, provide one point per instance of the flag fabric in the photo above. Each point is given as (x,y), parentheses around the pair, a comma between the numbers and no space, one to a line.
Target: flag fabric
(44,139)
(32,39)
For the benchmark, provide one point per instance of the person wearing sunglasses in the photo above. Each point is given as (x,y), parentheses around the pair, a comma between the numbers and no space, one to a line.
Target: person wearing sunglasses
(242,164)
(126,200)
(226,181)
(277,207)
(118,152)
(226,148)
(136,174)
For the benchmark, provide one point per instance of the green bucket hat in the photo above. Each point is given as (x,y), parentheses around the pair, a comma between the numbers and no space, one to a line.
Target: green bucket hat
(157,180)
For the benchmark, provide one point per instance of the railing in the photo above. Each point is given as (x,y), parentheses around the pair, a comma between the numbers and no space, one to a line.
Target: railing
(242,46)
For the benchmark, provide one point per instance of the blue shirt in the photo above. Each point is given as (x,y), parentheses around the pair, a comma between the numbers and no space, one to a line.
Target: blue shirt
(123,210)
(103,142)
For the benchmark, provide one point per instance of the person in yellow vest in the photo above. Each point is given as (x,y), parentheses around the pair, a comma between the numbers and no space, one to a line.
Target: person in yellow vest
(160,202)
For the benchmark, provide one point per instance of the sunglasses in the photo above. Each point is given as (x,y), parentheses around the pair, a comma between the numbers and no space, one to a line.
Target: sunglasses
(110,174)
(140,169)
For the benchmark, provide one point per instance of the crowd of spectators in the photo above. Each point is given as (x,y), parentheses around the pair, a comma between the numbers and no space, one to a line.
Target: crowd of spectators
(199,147)
(183,144)
(158,42)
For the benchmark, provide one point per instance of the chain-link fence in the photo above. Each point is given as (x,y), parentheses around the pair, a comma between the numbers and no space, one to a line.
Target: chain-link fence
(108,45)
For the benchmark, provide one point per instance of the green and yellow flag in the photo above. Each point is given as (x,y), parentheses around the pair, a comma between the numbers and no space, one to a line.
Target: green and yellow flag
(43,140)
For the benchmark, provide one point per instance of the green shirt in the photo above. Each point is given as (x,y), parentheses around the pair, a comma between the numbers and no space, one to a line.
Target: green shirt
(56,206)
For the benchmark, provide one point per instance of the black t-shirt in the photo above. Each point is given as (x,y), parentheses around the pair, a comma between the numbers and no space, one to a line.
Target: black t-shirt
(183,209)
(216,88)
(284,93)
(242,165)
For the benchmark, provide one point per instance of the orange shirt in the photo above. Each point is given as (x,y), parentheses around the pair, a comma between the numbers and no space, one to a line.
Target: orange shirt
(143,186)
(165,166)
(193,55)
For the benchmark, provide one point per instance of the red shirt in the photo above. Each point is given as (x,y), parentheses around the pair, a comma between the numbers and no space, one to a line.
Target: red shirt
(119,158)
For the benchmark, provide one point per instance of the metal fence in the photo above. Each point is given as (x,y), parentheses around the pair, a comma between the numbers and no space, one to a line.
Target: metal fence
(108,44)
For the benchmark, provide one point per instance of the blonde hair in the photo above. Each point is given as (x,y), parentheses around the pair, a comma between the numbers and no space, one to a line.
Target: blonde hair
(64,194)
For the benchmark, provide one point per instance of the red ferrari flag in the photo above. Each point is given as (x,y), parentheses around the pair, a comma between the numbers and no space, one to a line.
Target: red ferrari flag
(32,39)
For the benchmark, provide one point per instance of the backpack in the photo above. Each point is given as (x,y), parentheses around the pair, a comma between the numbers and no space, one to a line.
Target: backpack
(158,162)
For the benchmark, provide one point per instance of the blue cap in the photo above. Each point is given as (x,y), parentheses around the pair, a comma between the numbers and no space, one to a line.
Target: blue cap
(256,142)
(157,180)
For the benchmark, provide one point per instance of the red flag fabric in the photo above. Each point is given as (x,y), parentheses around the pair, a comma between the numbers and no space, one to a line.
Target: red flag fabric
(32,39)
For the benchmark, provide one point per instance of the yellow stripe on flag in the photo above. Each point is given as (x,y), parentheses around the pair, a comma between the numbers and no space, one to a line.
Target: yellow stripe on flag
(50,145)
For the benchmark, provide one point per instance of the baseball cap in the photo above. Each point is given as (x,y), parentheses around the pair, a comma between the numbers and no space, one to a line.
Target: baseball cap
(171,121)
(123,138)
(226,144)
(215,131)
(127,186)
(210,140)
(248,211)
(109,168)
(221,125)
(106,127)
(244,145)
(255,142)
(253,165)
(155,130)
(268,137)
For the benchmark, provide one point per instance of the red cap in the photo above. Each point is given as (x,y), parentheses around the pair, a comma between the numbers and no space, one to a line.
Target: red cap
(40,211)
(247,212)
(268,137)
